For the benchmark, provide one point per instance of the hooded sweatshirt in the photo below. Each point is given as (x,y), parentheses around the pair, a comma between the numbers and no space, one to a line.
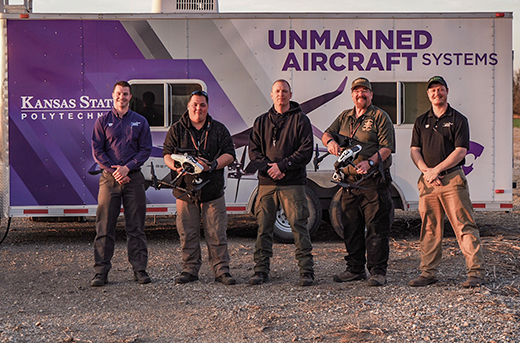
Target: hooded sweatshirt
(285,139)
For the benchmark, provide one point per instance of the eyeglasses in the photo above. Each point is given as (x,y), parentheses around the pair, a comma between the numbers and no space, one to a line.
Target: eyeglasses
(360,90)
(199,92)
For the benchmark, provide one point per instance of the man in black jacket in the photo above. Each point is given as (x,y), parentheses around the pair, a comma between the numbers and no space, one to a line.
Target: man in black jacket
(210,141)
(280,146)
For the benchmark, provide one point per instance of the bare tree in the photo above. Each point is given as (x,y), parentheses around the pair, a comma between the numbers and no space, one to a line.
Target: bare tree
(516,94)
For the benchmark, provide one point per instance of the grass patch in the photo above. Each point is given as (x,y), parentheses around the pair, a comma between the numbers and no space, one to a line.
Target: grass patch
(516,122)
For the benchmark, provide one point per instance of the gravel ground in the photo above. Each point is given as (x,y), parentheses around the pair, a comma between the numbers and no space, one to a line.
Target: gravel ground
(46,267)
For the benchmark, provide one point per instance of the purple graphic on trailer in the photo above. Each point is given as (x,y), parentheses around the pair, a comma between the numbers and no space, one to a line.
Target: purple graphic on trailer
(476,150)
(68,69)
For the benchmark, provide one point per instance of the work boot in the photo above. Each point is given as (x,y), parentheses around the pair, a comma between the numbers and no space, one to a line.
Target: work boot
(377,280)
(422,281)
(473,281)
(258,278)
(306,279)
(185,277)
(226,279)
(99,280)
(348,276)
(142,277)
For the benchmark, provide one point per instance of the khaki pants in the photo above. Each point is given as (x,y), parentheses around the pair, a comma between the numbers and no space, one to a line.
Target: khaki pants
(214,221)
(294,204)
(451,199)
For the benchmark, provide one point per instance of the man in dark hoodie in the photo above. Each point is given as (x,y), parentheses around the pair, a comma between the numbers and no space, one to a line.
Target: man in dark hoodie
(210,141)
(280,146)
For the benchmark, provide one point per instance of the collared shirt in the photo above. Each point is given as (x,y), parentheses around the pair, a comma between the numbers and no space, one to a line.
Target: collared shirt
(373,130)
(124,141)
(438,137)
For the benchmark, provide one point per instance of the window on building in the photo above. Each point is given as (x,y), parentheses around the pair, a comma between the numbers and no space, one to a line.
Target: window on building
(385,97)
(179,96)
(148,100)
(162,103)
(415,101)
(403,101)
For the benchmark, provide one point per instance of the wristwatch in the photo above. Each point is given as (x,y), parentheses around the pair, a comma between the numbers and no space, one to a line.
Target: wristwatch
(371,163)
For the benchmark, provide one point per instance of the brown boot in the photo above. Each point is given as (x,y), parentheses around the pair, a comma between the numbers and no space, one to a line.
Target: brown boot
(422,281)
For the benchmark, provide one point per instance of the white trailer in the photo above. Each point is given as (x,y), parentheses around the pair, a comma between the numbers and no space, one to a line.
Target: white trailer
(58,69)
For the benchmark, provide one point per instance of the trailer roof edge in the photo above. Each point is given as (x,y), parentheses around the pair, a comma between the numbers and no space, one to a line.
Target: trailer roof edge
(257,15)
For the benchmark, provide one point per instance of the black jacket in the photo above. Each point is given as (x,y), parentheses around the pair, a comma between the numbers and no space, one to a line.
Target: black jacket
(286,139)
(215,141)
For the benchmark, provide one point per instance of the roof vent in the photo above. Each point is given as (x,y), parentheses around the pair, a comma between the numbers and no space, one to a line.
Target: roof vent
(182,6)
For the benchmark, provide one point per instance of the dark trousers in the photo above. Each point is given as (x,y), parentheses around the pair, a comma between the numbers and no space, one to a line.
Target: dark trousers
(294,204)
(369,207)
(109,207)
(214,220)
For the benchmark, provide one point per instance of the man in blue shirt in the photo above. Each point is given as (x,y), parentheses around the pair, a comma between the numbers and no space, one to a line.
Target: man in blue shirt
(121,143)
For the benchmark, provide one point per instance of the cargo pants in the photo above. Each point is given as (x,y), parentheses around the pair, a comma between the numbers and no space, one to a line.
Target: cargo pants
(294,203)
(214,220)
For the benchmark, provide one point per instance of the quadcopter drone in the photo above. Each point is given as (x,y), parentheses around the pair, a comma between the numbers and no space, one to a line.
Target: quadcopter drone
(345,159)
(190,166)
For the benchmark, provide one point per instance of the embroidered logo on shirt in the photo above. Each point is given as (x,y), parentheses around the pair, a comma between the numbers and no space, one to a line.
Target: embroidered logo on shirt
(367,125)
(448,124)
(135,123)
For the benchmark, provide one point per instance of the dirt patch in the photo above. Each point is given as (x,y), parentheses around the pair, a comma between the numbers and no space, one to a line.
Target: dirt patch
(46,267)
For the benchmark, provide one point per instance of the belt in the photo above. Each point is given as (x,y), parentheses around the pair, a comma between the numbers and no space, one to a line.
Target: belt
(447,171)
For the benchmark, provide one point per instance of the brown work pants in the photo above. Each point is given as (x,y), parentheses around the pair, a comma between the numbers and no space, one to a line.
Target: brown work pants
(214,221)
(451,199)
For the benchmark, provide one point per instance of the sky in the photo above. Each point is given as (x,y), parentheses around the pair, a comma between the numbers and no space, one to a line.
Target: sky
(372,6)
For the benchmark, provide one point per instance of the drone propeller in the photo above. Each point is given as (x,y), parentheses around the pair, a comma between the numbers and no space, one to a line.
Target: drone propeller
(154,177)
(240,170)
(317,158)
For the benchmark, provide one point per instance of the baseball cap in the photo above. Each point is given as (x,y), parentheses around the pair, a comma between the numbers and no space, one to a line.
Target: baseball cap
(437,79)
(361,82)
